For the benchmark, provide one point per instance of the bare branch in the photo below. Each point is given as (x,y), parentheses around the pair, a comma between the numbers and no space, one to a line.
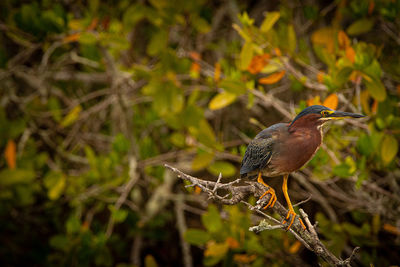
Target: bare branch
(309,238)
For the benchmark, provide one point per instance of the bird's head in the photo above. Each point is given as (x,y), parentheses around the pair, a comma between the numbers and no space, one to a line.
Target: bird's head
(314,116)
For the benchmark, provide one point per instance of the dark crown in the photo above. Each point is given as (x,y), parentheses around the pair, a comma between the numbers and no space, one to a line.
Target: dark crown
(315,109)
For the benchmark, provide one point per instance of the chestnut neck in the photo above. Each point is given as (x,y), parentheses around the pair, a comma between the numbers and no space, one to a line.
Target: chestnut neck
(309,122)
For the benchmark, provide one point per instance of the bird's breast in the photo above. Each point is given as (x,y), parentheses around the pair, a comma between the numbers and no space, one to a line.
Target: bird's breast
(296,151)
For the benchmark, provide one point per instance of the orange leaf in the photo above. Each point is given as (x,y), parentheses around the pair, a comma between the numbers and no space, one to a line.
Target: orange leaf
(273,78)
(343,40)
(278,52)
(197,190)
(195,67)
(324,37)
(72,37)
(93,24)
(320,77)
(217,72)
(391,229)
(194,55)
(331,101)
(232,243)
(257,63)
(295,247)
(351,54)
(10,154)
(244,258)
(314,101)
(374,107)
(371,7)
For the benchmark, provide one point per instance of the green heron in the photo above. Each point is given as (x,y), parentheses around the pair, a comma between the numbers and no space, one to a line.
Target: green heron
(284,148)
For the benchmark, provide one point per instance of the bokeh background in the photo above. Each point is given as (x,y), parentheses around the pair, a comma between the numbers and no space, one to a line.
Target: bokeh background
(95,96)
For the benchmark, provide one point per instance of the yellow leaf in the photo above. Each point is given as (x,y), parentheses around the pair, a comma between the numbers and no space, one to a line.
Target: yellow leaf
(57,189)
(217,72)
(246,55)
(269,21)
(360,26)
(273,78)
(149,261)
(364,99)
(295,247)
(201,161)
(71,117)
(221,100)
(10,154)
(389,149)
(216,249)
(350,54)
(343,40)
(324,37)
(331,101)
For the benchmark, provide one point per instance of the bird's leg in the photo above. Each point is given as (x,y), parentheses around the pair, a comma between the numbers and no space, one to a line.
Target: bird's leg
(270,190)
(291,210)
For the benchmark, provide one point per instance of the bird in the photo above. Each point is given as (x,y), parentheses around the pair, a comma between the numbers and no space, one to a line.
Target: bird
(285,147)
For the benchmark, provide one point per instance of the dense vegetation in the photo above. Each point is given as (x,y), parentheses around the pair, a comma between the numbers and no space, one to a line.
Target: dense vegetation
(97,95)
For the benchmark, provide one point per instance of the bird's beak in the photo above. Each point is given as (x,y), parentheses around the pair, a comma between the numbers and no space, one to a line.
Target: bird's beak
(336,115)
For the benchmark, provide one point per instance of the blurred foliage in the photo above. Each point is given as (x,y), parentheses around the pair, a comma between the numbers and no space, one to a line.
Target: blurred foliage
(96,96)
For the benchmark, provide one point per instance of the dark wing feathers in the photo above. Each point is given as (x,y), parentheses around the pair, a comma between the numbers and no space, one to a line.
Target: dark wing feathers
(257,155)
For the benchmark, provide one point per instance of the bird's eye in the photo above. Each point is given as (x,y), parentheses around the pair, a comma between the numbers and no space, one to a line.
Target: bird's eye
(324,113)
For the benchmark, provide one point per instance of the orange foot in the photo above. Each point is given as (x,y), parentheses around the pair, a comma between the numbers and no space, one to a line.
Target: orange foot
(291,214)
(272,199)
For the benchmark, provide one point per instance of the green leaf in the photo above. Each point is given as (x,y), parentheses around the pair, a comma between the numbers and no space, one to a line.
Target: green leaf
(212,220)
(59,242)
(121,143)
(87,38)
(246,55)
(342,170)
(270,19)
(158,42)
(196,237)
(10,177)
(343,76)
(292,40)
(223,167)
(375,87)
(364,145)
(221,100)
(389,149)
(177,139)
(360,26)
(73,225)
(119,215)
(55,108)
(202,160)
(233,86)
